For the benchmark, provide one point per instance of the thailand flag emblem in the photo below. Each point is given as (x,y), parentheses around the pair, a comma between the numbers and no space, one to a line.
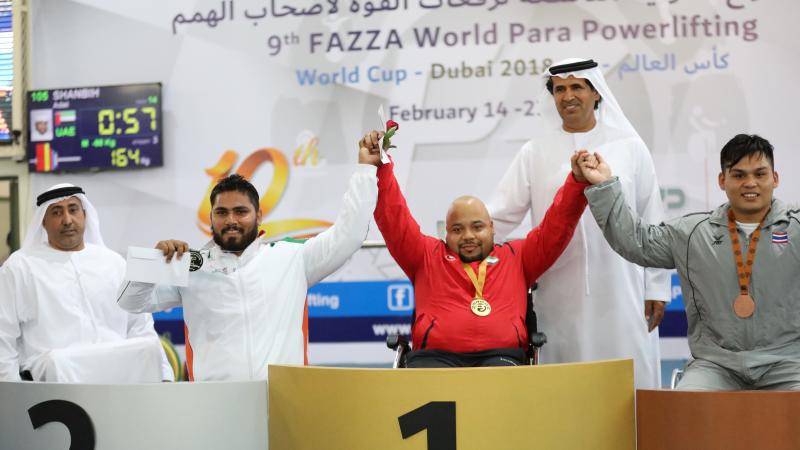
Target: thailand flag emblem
(780,237)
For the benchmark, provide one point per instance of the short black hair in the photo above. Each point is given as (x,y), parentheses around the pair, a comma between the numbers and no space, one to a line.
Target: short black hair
(743,145)
(235,182)
(550,89)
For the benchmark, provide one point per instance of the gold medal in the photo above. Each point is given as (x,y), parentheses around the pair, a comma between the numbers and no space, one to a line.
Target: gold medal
(480,307)
(744,305)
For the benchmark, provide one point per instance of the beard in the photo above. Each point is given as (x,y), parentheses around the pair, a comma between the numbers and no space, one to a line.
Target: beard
(469,259)
(476,257)
(232,244)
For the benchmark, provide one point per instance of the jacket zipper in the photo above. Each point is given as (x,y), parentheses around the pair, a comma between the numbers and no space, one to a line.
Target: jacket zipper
(248,343)
(425,337)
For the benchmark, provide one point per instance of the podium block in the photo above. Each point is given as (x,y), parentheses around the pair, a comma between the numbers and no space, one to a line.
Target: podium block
(559,406)
(764,420)
(175,416)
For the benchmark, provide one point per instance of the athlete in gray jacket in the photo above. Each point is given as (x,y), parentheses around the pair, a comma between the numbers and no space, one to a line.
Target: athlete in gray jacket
(743,309)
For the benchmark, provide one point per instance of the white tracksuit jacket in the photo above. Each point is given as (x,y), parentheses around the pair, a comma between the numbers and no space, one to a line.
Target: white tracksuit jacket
(243,313)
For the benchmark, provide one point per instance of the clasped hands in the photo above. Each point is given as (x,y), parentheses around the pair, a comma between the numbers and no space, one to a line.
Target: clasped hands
(369,151)
(589,167)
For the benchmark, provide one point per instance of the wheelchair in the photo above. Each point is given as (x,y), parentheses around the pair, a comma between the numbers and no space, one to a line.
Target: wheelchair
(677,374)
(536,339)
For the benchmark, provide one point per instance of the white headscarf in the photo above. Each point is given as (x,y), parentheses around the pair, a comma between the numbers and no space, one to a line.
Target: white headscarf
(38,235)
(608,112)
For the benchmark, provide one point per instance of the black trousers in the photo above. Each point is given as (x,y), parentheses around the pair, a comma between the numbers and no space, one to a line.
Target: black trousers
(487,358)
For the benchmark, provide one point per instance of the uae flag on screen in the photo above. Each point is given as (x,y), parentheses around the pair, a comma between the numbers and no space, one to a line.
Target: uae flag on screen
(44,157)
(67,115)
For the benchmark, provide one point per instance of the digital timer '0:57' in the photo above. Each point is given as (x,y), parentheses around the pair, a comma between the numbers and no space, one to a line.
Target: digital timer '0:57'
(131,119)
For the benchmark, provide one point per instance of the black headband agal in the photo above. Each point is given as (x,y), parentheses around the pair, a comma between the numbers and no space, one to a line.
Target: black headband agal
(573,67)
(67,191)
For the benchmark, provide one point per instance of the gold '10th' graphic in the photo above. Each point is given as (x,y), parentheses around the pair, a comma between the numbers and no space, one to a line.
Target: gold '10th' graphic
(297,228)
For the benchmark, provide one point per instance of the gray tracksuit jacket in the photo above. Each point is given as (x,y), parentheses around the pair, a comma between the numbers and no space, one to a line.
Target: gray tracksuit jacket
(699,247)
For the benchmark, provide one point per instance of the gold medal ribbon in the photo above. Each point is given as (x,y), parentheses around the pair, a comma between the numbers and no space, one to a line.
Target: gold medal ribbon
(479,280)
(744,304)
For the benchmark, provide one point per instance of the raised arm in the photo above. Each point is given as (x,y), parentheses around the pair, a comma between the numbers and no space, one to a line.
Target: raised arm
(512,198)
(626,232)
(404,239)
(545,243)
(329,250)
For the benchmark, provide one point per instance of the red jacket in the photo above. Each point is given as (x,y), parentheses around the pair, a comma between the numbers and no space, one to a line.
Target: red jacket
(442,289)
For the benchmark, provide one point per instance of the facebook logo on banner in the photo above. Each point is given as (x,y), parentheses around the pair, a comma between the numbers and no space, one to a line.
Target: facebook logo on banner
(400,297)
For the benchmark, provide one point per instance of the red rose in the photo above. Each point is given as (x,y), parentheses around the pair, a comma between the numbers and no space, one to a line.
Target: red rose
(391,129)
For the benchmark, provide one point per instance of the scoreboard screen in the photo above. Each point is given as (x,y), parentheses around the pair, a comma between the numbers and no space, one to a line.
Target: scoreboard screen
(95,128)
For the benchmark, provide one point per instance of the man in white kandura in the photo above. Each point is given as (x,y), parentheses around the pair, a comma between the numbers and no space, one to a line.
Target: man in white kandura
(244,303)
(59,320)
(591,303)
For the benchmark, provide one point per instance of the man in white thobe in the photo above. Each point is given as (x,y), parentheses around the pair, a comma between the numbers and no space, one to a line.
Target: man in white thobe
(591,303)
(59,320)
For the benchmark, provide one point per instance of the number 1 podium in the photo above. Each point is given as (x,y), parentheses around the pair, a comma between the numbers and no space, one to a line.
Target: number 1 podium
(559,406)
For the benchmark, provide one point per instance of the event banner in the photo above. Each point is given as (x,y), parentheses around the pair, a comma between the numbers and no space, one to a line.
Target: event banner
(281,91)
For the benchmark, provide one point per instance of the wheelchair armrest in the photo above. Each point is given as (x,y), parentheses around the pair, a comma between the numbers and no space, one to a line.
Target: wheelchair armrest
(538,339)
(395,340)
(401,347)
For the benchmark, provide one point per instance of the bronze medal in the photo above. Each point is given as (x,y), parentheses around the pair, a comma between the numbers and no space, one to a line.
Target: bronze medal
(744,306)
(480,307)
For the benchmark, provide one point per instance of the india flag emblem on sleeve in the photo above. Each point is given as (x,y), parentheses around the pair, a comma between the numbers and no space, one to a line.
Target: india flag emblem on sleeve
(780,237)
(67,115)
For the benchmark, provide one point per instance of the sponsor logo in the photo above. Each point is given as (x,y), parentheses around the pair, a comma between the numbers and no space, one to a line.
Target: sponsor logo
(400,297)
(389,329)
(323,301)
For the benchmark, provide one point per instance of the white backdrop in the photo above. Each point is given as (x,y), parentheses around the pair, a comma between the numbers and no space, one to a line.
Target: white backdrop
(243,75)
(224,91)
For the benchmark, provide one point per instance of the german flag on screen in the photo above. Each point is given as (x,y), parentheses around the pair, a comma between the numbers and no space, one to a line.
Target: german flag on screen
(44,157)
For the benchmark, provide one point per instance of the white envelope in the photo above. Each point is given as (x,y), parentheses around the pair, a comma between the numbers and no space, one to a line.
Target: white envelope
(148,265)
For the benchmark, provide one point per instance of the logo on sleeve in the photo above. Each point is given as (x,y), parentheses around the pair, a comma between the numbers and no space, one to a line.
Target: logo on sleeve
(780,237)
(196,262)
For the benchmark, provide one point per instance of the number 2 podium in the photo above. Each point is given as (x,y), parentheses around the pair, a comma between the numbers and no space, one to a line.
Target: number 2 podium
(560,406)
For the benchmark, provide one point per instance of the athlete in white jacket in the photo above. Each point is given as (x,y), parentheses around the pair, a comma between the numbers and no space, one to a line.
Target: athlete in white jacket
(244,304)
